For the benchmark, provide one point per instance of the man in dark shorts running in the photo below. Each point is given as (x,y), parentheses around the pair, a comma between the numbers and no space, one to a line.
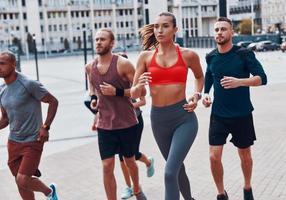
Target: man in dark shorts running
(228,70)
(117,121)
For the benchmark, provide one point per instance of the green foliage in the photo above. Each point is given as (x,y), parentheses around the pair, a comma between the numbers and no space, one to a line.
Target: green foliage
(244,27)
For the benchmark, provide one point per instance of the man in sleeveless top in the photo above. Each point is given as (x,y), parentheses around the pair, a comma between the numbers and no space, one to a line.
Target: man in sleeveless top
(228,71)
(20,103)
(117,120)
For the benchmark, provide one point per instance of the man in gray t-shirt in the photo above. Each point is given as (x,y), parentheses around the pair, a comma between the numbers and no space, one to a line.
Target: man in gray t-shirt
(20,103)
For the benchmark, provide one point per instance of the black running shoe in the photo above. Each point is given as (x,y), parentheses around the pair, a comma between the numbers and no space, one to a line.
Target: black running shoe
(248,194)
(222,196)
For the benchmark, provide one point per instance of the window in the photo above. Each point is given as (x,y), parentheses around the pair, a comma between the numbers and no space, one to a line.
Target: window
(147,16)
(187,23)
(196,23)
(50,27)
(60,27)
(55,27)
(41,15)
(11,16)
(23,3)
(42,28)
(24,16)
(26,29)
(40,2)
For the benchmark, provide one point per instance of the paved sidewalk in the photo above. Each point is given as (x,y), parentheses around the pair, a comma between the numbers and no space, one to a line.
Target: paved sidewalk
(78,172)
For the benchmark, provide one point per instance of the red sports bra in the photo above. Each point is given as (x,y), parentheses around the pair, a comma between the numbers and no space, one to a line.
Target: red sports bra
(175,74)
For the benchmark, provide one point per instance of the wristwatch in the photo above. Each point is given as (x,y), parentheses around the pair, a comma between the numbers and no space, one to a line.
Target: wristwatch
(45,126)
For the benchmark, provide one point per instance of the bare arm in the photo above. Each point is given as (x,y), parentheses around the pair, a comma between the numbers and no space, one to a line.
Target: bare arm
(52,110)
(92,91)
(193,62)
(4,121)
(88,71)
(195,65)
(141,77)
(141,102)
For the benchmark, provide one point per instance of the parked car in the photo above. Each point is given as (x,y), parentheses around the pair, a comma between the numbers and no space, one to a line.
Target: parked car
(283,46)
(244,43)
(267,45)
(252,46)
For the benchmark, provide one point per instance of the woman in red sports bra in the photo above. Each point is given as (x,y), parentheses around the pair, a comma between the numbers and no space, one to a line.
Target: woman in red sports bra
(173,120)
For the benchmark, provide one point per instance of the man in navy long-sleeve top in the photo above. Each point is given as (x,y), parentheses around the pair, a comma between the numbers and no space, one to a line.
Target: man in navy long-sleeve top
(231,70)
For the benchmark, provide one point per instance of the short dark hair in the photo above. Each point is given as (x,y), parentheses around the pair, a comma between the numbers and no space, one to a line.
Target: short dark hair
(224,19)
(10,55)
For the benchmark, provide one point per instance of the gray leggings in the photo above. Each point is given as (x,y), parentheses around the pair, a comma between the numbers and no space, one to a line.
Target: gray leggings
(174,130)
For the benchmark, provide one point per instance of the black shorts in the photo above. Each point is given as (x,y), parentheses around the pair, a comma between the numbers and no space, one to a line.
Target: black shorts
(139,130)
(241,129)
(121,141)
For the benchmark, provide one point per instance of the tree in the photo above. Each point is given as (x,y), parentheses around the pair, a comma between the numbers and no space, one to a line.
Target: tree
(244,27)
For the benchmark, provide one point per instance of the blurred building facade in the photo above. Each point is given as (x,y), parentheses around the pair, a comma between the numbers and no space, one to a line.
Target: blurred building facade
(273,15)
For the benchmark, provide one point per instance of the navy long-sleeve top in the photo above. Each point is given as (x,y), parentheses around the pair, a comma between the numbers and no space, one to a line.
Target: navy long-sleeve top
(233,102)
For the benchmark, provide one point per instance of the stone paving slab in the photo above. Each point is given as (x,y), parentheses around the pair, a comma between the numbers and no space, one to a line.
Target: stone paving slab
(78,171)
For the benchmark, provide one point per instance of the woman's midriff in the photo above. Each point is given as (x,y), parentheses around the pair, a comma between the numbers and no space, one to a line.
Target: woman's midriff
(164,95)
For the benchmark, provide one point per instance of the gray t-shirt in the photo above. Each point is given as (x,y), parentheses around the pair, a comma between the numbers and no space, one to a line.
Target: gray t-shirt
(21,101)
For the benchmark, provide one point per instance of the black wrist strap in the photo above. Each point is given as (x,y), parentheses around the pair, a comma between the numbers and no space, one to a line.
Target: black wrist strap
(119,92)
(93,97)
